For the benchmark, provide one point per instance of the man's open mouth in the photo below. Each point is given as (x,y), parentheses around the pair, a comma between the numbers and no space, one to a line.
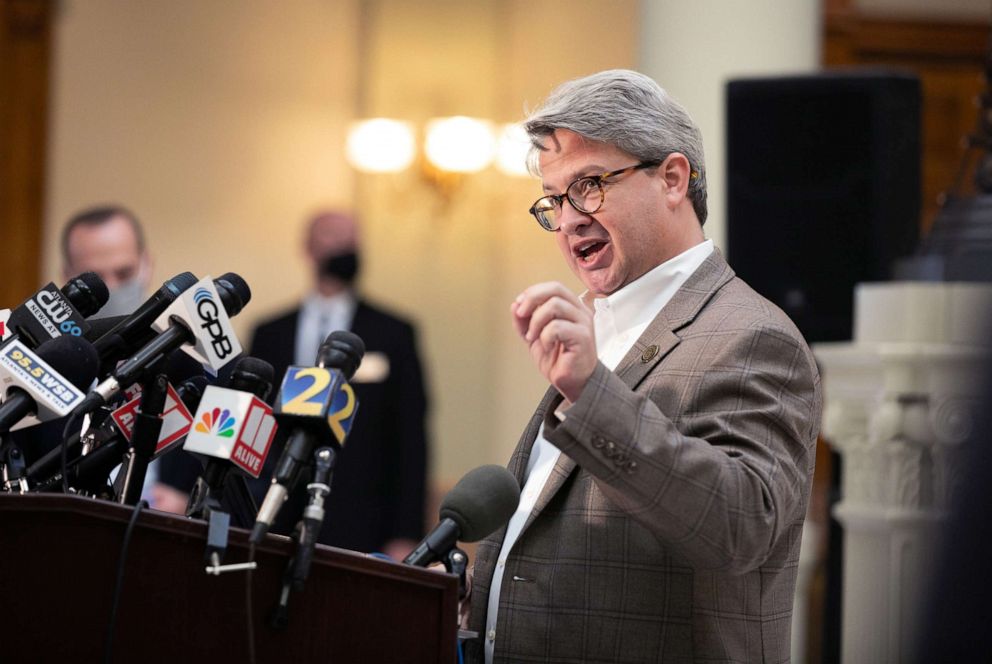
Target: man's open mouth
(587,252)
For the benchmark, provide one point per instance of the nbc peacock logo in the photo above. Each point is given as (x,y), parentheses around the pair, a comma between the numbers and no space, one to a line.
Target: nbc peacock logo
(217,422)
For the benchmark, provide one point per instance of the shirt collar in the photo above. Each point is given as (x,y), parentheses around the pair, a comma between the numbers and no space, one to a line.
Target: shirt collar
(639,302)
(316,303)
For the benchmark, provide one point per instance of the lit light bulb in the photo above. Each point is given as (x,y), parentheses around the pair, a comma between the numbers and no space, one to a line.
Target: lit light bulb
(460,144)
(380,145)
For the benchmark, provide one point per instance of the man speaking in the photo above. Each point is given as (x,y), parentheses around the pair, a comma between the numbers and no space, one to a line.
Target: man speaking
(667,470)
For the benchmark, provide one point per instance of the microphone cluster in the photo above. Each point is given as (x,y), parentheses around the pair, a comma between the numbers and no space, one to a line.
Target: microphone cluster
(171,376)
(168,376)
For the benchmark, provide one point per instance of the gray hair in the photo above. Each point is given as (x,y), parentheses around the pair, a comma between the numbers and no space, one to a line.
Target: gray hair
(628,110)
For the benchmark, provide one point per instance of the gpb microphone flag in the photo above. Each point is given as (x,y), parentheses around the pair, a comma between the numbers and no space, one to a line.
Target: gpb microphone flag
(200,306)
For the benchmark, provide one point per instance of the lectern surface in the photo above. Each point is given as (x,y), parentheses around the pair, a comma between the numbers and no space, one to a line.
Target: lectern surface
(58,565)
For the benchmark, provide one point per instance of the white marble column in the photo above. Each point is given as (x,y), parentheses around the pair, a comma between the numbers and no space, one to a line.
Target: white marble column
(899,400)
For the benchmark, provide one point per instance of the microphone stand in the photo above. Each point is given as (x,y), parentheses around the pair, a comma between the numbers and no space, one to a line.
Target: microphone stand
(220,489)
(306,533)
(147,426)
(456,562)
(13,470)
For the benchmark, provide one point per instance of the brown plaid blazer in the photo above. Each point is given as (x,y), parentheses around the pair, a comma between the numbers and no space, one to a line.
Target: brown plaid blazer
(669,530)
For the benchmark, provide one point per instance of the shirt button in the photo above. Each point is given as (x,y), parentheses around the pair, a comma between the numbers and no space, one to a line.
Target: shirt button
(491,635)
(501,563)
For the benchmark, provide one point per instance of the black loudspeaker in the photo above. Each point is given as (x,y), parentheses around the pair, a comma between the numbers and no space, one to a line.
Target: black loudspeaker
(823,188)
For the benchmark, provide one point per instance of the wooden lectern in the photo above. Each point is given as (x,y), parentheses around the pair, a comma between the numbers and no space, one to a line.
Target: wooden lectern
(58,566)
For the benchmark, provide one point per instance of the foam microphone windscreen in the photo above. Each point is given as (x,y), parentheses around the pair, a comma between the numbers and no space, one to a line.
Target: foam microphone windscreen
(481,502)
(100,326)
(87,292)
(74,358)
(342,350)
(234,292)
(253,375)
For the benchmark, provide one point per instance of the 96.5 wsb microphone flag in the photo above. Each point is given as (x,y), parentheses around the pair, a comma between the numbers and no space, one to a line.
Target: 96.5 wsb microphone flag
(54,395)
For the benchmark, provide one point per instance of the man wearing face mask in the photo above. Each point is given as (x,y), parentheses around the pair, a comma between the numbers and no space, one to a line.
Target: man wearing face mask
(110,241)
(377,498)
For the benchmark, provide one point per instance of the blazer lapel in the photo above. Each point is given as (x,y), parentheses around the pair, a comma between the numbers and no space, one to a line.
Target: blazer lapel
(660,336)
(650,348)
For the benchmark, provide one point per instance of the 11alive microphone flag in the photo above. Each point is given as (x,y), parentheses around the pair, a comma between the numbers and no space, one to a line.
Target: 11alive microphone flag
(54,395)
(200,307)
(235,425)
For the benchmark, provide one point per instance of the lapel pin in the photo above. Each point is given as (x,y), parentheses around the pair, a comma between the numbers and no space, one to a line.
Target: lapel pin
(649,353)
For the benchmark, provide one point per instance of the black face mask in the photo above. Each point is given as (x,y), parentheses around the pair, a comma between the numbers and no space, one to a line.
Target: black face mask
(340,266)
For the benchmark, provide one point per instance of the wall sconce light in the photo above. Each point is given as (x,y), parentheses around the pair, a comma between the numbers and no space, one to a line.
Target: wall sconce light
(452,147)
(380,145)
(460,144)
(511,152)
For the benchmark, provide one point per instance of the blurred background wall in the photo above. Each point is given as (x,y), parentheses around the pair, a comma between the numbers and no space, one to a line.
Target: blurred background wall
(221,123)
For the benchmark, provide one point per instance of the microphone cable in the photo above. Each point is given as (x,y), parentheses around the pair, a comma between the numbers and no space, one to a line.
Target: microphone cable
(248,605)
(74,416)
(108,652)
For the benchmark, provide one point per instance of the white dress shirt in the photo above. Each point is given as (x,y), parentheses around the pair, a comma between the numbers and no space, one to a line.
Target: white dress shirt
(319,316)
(618,320)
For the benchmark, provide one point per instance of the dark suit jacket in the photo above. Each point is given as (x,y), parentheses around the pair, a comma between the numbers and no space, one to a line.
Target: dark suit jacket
(669,529)
(377,492)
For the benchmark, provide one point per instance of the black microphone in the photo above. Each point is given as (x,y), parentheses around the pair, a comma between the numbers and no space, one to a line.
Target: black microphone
(324,418)
(87,292)
(129,333)
(91,471)
(193,322)
(222,484)
(342,350)
(53,312)
(481,502)
(178,366)
(46,383)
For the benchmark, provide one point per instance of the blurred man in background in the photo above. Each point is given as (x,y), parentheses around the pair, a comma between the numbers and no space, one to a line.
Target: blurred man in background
(109,241)
(377,496)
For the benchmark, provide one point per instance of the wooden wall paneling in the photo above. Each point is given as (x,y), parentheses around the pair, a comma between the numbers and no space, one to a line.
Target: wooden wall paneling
(948,58)
(25,34)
